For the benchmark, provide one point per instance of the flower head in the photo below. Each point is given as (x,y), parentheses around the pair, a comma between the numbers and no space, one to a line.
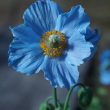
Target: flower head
(52,41)
(105,67)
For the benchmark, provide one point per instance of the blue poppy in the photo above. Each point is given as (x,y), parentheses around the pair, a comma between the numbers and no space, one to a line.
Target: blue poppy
(105,67)
(52,41)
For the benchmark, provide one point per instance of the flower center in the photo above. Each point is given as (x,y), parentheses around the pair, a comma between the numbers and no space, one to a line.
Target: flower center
(53,43)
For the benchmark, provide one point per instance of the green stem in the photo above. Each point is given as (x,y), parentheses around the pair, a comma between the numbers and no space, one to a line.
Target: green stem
(55,97)
(69,94)
(68,98)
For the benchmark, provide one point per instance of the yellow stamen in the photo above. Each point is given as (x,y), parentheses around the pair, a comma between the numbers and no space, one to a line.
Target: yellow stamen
(53,51)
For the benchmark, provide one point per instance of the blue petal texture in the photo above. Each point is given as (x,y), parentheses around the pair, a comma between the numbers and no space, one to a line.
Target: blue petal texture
(105,68)
(59,72)
(105,55)
(75,21)
(73,24)
(26,56)
(39,18)
(42,15)
(79,49)
(93,37)
(105,78)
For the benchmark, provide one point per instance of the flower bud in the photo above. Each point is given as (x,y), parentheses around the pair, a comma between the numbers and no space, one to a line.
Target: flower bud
(85,96)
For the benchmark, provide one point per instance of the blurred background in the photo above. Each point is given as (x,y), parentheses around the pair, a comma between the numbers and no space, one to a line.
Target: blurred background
(19,92)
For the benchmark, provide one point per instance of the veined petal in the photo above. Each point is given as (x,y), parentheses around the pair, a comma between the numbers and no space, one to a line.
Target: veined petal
(72,22)
(93,37)
(25,34)
(25,58)
(78,49)
(60,73)
(42,15)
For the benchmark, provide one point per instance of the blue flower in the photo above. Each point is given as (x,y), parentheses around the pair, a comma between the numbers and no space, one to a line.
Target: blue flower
(52,41)
(105,67)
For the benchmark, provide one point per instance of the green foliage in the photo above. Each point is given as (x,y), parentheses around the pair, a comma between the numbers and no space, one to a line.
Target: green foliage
(49,106)
(101,91)
(95,105)
(60,107)
(46,106)
(85,97)
(97,102)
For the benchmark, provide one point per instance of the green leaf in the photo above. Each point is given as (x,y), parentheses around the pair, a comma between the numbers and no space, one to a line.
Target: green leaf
(60,106)
(46,106)
(58,109)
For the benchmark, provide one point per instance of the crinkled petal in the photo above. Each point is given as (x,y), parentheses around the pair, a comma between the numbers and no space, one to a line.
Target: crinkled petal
(60,73)
(81,39)
(25,34)
(42,15)
(75,21)
(78,49)
(93,37)
(25,58)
